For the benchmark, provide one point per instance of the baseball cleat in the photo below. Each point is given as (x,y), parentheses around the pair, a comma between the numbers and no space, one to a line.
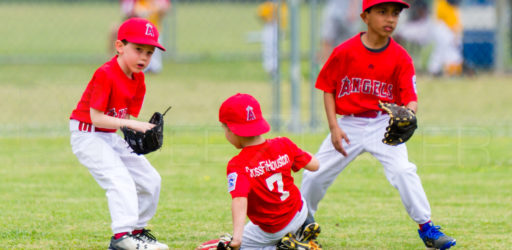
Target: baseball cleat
(131,242)
(434,238)
(289,242)
(149,238)
(310,232)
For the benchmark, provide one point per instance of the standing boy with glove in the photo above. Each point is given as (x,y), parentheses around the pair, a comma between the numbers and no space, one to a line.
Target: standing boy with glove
(115,93)
(363,71)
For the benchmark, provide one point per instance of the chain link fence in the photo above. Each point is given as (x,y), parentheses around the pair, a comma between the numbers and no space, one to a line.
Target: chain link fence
(81,31)
(78,31)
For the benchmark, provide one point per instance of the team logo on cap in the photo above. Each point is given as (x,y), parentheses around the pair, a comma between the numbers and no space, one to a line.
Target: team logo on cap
(149,30)
(250,114)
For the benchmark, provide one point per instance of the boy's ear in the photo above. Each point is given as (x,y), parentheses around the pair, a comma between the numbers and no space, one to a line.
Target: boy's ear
(363,16)
(225,126)
(119,46)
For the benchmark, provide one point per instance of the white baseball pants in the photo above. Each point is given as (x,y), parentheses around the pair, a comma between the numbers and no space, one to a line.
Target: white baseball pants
(256,239)
(132,185)
(365,135)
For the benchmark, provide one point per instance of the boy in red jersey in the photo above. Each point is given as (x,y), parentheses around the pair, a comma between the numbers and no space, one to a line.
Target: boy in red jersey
(260,180)
(366,69)
(116,92)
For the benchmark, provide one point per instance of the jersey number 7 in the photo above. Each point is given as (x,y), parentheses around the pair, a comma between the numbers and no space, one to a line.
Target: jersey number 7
(280,185)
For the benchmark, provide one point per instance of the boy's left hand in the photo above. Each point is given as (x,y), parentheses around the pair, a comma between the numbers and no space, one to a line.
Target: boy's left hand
(402,124)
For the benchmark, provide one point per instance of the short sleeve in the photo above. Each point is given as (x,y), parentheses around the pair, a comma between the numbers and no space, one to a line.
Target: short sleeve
(101,90)
(136,104)
(300,157)
(407,82)
(326,80)
(238,183)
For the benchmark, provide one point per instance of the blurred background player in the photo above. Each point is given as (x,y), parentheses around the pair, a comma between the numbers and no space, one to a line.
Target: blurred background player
(152,10)
(367,69)
(260,181)
(442,29)
(114,94)
(268,12)
(340,22)
(447,55)
(416,28)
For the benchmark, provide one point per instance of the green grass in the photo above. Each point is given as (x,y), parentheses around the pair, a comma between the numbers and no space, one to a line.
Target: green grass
(70,32)
(56,30)
(50,201)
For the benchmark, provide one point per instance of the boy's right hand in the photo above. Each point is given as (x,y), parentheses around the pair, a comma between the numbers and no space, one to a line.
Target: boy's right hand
(337,137)
(139,126)
(222,243)
(235,244)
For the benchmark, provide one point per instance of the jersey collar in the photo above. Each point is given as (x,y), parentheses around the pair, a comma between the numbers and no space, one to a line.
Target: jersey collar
(374,50)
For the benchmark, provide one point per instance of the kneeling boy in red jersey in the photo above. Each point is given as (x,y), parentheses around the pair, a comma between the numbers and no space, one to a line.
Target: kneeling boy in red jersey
(260,180)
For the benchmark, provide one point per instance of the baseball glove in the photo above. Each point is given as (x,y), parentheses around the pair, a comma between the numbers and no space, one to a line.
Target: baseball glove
(221,243)
(402,123)
(149,141)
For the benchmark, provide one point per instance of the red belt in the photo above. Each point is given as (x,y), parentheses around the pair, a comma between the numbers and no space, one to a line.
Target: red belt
(368,114)
(87,127)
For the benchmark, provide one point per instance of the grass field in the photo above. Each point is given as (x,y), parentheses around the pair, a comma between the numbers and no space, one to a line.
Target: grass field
(50,201)
(78,32)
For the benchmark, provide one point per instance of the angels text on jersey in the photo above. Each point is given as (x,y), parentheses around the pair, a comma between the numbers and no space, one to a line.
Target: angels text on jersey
(365,86)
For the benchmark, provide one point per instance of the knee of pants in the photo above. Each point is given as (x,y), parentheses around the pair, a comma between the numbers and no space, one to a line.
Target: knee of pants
(114,178)
(402,172)
(157,181)
(153,183)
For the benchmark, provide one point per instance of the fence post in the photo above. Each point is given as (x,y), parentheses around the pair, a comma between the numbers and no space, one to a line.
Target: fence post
(313,72)
(276,75)
(173,33)
(295,78)
(501,30)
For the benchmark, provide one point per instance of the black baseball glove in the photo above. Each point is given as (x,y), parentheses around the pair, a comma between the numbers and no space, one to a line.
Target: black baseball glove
(149,141)
(402,123)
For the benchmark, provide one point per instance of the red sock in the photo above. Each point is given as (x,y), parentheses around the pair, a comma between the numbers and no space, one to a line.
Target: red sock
(136,231)
(119,235)
(421,225)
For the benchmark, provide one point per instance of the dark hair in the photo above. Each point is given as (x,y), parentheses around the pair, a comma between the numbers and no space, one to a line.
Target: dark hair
(124,41)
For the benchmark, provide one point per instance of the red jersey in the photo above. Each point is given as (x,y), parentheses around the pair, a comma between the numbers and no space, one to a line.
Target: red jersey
(359,77)
(262,173)
(112,92)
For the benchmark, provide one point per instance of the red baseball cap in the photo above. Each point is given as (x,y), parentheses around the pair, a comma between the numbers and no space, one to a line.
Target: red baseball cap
(370,3)
(242,114)
(140,31)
